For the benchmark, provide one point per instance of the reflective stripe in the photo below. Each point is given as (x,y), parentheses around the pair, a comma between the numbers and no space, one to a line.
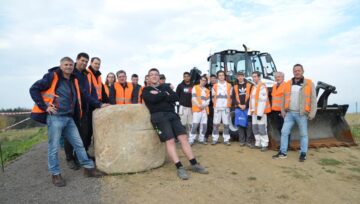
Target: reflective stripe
(222,96)
(47,95)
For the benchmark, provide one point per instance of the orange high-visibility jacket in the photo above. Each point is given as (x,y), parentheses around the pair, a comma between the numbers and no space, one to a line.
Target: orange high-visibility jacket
(96,82)
(49,95)
(247,96)
(200,98)
(228,94)
(277,96)
(306,89)
(123,96)
(257,94)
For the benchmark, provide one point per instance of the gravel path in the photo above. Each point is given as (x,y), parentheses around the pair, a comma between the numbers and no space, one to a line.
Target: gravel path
(26,180)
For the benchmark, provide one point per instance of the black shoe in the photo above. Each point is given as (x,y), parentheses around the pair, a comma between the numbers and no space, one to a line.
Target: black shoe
(302,157)
(279,155)
(73,165)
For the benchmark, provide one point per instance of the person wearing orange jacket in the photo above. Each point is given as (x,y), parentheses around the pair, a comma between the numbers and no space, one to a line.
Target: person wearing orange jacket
(58,103)
(200,102)
(277,95)
(124,91)
(299,105)
(97,88)
(259,107)
(222,100)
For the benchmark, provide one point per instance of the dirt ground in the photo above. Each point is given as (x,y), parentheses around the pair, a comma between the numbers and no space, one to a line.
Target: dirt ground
(243,175)
(237,175)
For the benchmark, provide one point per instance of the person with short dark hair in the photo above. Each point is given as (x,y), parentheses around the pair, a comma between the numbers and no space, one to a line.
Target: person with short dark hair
(89,102)
(137,92)
(299,105)
(160,100)
(124,91)
(259,107)
(212,81)
(163,81)
(58,104)
(242,90)
(183,90)
(200,109)
(222,100)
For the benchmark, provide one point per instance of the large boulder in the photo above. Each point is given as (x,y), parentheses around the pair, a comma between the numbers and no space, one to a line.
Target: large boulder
(125,141)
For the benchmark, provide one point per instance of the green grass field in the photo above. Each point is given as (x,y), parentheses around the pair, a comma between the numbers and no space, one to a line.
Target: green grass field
(354,122)
(16,142)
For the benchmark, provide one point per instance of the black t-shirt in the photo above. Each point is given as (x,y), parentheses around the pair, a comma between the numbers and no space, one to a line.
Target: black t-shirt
(163,101)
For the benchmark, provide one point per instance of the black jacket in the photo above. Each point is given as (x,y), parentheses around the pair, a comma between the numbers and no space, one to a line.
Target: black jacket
(184,93)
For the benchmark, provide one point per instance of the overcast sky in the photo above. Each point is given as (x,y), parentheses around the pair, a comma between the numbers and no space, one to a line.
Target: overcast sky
(176,35)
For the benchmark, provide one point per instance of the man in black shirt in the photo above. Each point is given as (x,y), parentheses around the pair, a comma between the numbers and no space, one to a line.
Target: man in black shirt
(241,95)
(183,90)
(160,100)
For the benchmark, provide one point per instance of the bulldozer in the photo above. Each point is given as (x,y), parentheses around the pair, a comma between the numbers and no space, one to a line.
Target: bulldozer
(329,127)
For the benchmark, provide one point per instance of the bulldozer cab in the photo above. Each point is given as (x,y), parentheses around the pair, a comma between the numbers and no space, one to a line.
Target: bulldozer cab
(234,61)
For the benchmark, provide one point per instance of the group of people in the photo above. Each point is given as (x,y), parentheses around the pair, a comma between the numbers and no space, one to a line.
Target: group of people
(68,94)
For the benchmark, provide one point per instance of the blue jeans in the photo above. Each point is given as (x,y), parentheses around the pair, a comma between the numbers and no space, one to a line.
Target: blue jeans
(289,121)
(64,125)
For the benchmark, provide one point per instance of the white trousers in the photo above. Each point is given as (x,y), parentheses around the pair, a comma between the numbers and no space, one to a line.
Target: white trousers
(185,114)
(259,128)
(224,117)
(199,121)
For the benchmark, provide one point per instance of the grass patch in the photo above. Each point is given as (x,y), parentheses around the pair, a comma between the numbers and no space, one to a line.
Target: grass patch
(329,162)
(252,178)
(355,169)
(355,130)
(330,171)
(17,142)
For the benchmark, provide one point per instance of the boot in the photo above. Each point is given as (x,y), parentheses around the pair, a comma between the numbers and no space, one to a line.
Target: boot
(93,172)
(58,181)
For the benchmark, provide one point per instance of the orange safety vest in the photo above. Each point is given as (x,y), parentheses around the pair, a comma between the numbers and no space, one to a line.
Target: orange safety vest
(306,89)
(228,97)
(96,82)
(123,96)
(247,96)
(49,95)
(257,94)
(277,95)
(199,99)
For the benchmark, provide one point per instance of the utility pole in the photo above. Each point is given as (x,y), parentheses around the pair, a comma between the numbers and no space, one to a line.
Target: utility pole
(356,105)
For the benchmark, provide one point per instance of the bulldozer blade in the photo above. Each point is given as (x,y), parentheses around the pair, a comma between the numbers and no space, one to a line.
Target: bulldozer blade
(328,129)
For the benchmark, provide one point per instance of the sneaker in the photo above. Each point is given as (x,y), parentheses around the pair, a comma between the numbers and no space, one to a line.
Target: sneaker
(227,143)
(199,169)
(264,149)
(279,155)
(203,143)
(181,173)
(58,181)
(251,146)
(191,143)
(302,157)
(73,165)
(213,142)
(242,144)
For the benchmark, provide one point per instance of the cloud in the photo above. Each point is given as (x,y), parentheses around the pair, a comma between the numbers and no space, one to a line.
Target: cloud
(174,36)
